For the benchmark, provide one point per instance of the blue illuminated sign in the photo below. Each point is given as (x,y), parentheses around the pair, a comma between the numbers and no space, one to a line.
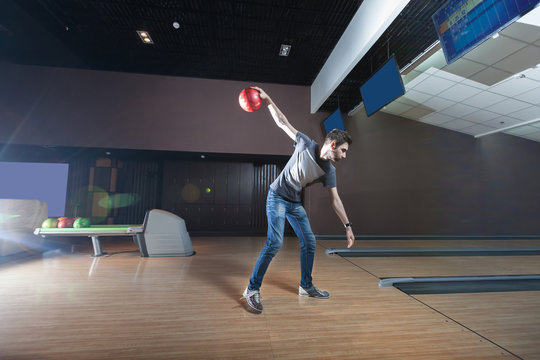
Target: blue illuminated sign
(464,24)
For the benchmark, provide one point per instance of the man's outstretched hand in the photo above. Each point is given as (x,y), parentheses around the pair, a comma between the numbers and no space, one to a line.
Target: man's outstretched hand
(350,237)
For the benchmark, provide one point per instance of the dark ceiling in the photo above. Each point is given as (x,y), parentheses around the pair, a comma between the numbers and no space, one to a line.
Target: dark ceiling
(217,39)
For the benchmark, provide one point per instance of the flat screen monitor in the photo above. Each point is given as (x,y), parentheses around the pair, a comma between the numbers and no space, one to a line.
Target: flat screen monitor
(463,25)
(382,87)
(45,182)
(334,121)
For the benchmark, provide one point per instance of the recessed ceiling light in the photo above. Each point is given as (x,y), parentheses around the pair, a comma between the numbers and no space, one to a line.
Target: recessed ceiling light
(284,50)
(145,37)
(176,25)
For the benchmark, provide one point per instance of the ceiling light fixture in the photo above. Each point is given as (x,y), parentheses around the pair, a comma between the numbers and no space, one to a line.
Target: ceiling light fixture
(145,37)
(508,128)
(284,50)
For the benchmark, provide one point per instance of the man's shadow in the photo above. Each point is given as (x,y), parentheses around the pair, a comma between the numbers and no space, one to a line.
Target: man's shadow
(282,283)
(224,271)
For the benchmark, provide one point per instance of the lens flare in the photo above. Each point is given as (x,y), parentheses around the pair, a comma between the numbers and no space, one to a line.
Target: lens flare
(191,193)
(118,200)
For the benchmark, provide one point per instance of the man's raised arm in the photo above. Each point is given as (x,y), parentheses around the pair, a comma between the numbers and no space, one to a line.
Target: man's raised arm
(279,117)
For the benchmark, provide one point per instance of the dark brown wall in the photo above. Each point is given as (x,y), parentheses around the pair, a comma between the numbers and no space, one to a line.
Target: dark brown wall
(69,107)
(405,177)
(401,176)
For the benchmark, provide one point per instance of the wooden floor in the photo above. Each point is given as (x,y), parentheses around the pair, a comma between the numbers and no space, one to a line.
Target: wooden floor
(121,306)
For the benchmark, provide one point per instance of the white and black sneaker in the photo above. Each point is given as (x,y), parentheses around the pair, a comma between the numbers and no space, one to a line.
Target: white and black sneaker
(313,291)
(253,298)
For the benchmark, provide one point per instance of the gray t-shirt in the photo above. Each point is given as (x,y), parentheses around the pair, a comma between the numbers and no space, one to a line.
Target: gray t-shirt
(304,168)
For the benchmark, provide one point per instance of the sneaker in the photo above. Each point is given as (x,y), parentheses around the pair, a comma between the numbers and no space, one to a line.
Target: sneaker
(313,291)
(253,298)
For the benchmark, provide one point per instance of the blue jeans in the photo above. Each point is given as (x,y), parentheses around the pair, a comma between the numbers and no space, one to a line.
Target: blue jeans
(277,209)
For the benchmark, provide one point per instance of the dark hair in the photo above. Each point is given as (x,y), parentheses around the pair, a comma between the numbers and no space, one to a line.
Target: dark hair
(339,137)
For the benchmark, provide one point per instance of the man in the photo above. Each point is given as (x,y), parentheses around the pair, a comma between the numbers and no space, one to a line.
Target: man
(309,163)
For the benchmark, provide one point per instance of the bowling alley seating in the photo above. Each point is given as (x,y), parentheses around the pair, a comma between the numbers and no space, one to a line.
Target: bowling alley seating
(18,219)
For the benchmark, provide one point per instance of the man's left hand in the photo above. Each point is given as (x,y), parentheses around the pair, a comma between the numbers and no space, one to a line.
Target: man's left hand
(350,237)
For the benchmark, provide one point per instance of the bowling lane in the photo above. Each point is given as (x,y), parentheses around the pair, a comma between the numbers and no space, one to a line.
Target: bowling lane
(421,266)
(510,319)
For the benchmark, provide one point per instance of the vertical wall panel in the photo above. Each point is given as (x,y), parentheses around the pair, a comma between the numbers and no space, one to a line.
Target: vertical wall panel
(77,200)
(221,183)
(246,184)
(139,179)
(233,183)
(264,175)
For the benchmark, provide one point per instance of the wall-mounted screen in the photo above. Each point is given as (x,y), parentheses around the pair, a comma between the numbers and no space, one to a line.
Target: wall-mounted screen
(382,87)
(334,121)
(36,181)
(464,24)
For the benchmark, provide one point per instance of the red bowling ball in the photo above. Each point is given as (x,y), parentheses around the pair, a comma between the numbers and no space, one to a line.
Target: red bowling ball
(249,99)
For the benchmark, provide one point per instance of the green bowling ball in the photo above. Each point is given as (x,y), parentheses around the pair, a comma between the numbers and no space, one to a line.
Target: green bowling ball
(81,223)
(49,223)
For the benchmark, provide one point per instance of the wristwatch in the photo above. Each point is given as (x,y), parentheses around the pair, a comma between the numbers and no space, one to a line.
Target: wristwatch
(348,224)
